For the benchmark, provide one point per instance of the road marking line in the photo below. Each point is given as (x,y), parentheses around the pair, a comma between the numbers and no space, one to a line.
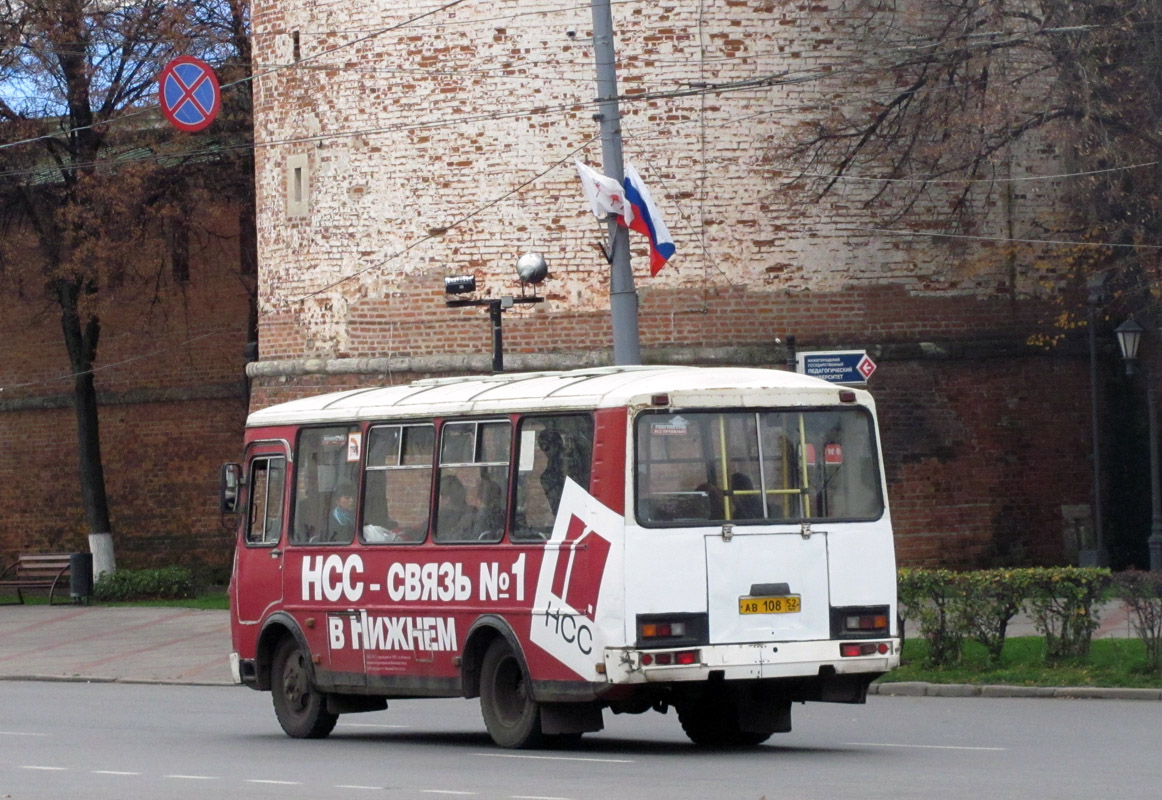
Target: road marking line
(925,746)
(192,777)
(275,783)
(113,772)
(21,733)
(367,725)
(357,786)
(536,797)
(46,769)
(557,758)
(445,791)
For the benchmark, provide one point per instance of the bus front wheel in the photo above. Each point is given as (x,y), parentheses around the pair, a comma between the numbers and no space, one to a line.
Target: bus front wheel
(300,707)
(511,715)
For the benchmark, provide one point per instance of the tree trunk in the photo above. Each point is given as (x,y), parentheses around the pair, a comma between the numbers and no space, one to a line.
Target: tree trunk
(82,347)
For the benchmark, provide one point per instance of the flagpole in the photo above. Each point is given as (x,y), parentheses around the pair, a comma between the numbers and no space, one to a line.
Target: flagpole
(622,294)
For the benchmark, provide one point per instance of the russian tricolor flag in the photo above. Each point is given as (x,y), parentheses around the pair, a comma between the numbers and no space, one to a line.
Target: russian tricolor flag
(647,220)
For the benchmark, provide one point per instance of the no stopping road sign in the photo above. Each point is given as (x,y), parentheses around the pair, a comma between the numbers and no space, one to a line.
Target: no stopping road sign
(189,93)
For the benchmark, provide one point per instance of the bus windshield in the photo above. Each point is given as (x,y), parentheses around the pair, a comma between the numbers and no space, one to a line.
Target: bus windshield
(756,466)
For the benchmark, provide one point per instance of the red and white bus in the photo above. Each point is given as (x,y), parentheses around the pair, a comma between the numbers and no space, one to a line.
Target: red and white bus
(559,544)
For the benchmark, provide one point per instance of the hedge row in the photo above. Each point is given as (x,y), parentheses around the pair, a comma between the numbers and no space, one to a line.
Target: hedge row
(164,583)
(1063,602)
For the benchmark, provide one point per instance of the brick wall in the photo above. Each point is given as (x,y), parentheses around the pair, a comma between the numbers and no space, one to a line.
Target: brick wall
(172,407)
(445,146)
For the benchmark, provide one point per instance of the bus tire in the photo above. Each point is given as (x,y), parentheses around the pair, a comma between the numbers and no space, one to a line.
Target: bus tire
(512,717)
(300,707)
(709,724)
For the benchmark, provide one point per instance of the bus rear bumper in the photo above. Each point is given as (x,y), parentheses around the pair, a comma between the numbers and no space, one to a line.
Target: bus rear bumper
(748,661)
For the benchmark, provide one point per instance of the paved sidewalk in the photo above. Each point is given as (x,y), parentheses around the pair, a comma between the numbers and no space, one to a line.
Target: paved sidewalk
(128,644)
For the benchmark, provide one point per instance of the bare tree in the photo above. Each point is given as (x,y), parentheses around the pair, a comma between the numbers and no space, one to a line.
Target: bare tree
(957,96)
(77,80)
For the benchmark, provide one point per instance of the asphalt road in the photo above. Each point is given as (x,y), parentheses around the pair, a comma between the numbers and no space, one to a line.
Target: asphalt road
(109,740)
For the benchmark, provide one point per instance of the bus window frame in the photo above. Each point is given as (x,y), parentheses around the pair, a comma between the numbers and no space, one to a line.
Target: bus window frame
(506,490)
(248,505)
(365,468)
(539,538)
(292,518)
(873,439)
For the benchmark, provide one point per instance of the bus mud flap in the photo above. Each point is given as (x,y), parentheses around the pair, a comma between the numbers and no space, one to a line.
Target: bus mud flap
(571,718)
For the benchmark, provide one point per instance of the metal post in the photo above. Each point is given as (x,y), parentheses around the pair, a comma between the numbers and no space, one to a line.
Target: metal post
(494,310)
(1099,543)
(1155,540)
(622,294)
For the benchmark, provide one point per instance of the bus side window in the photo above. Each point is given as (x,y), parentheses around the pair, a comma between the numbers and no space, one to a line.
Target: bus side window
(550,449)
(327,477)
(474,467)
(267,482)
(398,484)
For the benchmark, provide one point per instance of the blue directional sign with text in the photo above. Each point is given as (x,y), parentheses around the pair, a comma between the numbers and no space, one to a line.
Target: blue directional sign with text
(837,366)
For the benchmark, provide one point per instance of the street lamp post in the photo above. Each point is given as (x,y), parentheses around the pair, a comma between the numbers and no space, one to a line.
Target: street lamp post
(530,268)
(1129,338)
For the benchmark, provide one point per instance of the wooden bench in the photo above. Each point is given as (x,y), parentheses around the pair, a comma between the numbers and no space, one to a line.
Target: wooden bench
(35,572)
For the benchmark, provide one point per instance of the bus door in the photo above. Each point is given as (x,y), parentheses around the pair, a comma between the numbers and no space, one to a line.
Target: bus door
(764,587)
(259,555)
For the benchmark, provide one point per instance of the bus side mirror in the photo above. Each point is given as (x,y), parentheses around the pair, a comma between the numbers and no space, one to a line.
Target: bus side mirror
(229,484)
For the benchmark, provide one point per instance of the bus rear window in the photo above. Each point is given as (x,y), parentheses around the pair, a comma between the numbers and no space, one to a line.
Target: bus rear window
(752,467)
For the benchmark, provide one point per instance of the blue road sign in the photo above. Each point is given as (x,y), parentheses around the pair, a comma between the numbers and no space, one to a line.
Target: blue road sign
(837,366)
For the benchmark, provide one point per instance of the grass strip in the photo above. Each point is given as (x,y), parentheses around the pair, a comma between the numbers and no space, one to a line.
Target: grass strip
(1112,663)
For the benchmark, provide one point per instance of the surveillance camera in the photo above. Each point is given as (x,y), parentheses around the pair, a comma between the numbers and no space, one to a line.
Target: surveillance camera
(571,33)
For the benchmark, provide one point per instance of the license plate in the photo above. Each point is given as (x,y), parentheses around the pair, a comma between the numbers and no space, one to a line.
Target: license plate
(769,605)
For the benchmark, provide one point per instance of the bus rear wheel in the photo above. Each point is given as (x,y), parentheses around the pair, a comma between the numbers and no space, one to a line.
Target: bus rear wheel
(300,707)
(511,715)
(710,724)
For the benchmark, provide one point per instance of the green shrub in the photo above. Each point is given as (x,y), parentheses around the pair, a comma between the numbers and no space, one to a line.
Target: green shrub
(950,607)
(1063,604)
(992,598)
(935,600)
(165,583)
(1142,594)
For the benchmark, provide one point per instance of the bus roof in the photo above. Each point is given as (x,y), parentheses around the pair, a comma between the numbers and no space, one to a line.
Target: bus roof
(597,387)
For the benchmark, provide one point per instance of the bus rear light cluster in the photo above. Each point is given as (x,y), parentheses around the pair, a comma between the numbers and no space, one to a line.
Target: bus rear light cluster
(653,630)
(684,658)
(855,649)
(861,622)
(866,623)
(671,631)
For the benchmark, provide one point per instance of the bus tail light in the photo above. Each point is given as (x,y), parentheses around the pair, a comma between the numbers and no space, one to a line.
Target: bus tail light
(860,622)
(671,630)
(856,649)
(682,658)
(866,622)
(652,630)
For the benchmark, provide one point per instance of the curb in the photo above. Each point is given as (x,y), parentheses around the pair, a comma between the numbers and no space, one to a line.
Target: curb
(104,679)
(918,689)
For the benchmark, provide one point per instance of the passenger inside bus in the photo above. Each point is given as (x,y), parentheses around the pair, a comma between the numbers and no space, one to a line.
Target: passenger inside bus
(489,519)
(341,522)
(455,518)
(715,505)
(378,525)
(745,502)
